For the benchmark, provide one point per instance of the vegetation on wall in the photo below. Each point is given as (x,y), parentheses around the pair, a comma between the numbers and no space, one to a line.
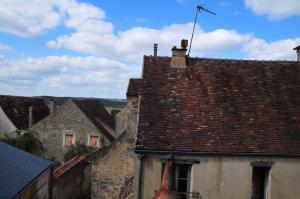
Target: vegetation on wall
(78,150)
(25,141)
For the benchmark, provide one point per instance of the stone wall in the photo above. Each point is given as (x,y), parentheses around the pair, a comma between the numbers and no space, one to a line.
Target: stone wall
(108,170)
(114,168)
(75,183)
(68,118)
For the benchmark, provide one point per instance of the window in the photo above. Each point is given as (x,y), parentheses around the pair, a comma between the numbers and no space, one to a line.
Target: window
(69,139)
(182,178)
(260,182)
(93,141)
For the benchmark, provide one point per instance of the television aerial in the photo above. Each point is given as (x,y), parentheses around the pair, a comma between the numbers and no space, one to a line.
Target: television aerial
(199,9)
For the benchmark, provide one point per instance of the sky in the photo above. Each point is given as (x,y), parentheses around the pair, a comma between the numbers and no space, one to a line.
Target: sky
(90,48)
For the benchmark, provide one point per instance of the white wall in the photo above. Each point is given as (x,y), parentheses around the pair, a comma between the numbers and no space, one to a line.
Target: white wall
(228,177)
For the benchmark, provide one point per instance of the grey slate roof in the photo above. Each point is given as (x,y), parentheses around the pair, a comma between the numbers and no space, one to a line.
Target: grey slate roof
(18,169)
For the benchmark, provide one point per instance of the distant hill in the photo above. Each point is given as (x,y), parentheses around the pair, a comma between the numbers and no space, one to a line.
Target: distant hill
(108,103)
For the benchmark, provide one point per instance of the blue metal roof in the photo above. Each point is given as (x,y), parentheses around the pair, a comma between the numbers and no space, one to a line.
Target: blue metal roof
(18,169)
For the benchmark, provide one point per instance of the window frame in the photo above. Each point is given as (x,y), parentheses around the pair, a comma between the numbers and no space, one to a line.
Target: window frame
(267,166)
(73,139)
(89,140)
(188,178)
(189,170)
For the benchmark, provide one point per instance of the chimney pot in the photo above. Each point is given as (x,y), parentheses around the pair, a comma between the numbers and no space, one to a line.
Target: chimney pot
(184,43)
(155,49)
(30,116)
(52,104)
(298,52)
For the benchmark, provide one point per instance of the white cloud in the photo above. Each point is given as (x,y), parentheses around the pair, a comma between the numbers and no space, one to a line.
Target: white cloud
(5,48)
(135,42)
(24,18)
(28,19)
(57,75)
(274,9)
(277,50)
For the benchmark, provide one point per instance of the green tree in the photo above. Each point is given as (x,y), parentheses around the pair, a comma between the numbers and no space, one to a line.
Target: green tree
(25,141)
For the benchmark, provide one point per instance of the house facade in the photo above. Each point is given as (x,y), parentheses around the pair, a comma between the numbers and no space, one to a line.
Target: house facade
(74,123)
(20,113)
(232,125)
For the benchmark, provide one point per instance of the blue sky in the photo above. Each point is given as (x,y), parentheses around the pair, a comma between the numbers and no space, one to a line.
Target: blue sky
(91,48)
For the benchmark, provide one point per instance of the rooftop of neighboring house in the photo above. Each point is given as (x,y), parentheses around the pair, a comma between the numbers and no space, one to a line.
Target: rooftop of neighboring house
(16,109)
(219,106)
(18,170)
(98,115)
(134,87)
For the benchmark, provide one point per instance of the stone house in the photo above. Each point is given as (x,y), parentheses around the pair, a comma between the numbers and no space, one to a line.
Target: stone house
(74,123)
(23,175)
(20,113)
(232,125)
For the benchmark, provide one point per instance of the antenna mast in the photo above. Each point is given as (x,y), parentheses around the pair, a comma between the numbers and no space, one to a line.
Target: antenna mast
(199,8)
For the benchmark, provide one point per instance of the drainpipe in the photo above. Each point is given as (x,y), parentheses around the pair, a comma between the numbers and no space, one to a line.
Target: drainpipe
(140,174)
(51,183)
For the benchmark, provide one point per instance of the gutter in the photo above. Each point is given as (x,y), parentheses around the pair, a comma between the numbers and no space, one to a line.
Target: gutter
(192,153)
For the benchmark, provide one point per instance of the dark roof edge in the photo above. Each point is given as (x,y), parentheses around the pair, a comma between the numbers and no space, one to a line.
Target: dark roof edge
(297,47)
(33,180)
(102,129)
(227,59)
(141,151)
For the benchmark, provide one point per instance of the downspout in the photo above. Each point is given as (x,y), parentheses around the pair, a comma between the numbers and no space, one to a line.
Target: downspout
(140,174)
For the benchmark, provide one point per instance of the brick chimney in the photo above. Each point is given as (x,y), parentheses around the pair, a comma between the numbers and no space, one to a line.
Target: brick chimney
(155,49)
(179,55)
(298,52)
(52,104)
(30,116)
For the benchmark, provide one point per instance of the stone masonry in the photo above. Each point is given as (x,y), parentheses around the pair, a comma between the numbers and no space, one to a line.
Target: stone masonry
(114,168)
(68,118)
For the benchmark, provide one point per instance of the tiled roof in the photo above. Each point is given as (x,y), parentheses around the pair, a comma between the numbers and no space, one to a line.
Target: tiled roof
(220,106)
(18,169)
(134,87)
(97,114)
(17,109)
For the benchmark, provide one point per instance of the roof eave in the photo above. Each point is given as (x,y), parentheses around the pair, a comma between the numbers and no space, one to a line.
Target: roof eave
(198,153)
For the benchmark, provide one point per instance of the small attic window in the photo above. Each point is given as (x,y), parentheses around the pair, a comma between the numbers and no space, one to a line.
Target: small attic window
(15,110)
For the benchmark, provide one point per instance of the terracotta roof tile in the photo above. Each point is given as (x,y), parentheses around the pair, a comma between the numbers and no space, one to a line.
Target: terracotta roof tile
(220,106)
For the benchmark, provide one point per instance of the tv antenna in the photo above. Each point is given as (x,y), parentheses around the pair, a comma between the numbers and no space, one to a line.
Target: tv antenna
(199,9)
